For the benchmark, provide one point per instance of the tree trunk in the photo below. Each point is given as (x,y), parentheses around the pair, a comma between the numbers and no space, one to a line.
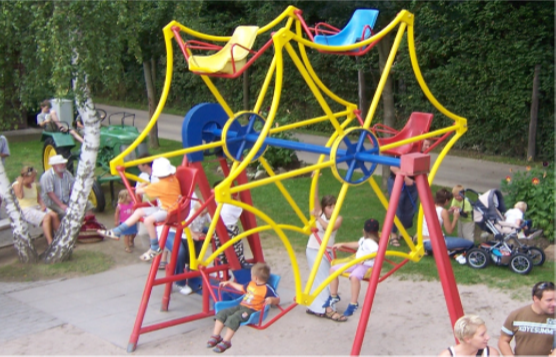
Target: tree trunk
(389,114)
(65,238)
(534,114)
(246,89)
(22,240)
(361,89)
(153,135)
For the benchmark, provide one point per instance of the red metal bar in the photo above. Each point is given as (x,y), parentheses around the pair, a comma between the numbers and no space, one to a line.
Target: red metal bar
(438,245)
(174,322)
(299,15)
(232,54)
(171,269)
(179,40)
(379,259)
(437,142)
(221,230)
(275,318)
(394,269)
(249,221)
(128,187)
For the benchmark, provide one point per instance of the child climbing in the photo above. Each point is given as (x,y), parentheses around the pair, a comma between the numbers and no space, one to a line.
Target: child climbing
(166,191)
(366,245)
(123,211)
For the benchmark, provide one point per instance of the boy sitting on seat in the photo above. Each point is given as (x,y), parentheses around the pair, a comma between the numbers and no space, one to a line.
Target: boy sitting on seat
(257,294)
(366,245)
(167,192)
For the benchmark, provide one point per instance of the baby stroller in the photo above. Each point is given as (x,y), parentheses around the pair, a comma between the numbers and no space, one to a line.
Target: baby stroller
(505,249)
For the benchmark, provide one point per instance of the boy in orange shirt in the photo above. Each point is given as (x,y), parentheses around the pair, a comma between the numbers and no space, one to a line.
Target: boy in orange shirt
(257,294)
(166,191)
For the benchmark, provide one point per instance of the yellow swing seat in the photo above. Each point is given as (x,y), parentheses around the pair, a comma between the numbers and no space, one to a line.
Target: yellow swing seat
(234,51)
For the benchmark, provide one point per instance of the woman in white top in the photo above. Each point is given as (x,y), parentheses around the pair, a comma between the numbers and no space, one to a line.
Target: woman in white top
(443,199)
(471,332)
(322,213)
(33,208)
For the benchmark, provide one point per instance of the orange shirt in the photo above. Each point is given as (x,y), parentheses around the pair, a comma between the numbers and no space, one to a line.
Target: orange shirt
(166,190)
(256,294)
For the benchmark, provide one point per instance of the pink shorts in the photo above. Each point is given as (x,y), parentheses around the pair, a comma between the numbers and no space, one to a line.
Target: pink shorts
(358,270)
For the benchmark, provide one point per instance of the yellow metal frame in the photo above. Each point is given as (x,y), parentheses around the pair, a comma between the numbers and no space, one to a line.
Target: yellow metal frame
(282,41)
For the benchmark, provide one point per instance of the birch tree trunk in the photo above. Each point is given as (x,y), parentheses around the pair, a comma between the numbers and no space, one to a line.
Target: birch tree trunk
(64,240)
(22,240)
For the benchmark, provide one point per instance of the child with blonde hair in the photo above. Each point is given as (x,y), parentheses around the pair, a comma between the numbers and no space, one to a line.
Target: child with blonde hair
(123,211)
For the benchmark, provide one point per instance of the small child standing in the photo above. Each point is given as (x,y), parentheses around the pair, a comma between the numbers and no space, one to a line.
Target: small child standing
(123,211)
(167,191)
(366,245)
(257,294)
(466,226)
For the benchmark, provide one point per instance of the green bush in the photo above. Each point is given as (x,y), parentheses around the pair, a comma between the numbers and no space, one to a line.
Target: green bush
(536,188)
(279,157)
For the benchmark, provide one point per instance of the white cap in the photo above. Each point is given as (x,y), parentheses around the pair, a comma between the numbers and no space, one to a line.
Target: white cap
(162,167)
(57,160)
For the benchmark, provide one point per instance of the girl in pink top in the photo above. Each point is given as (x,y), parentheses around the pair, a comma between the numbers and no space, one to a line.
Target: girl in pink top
(123,211)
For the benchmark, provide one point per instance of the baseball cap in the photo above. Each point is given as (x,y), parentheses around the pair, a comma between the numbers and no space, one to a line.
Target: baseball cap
(371,226)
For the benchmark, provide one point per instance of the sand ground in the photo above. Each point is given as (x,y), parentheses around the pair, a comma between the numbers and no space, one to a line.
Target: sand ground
(407,318)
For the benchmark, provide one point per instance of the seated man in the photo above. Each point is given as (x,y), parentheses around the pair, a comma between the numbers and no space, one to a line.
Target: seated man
(48,120)
(56,186)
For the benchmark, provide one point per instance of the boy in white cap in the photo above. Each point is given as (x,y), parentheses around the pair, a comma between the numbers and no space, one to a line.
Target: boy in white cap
(166,191)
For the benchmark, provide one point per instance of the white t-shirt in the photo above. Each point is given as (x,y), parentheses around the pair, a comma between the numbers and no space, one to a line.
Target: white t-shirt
(366,247)
(440,220)
(313,243)
(230,214)
(513,215)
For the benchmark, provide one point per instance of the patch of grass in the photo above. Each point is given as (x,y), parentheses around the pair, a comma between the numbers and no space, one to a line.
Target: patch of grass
(493,276)
(81,263)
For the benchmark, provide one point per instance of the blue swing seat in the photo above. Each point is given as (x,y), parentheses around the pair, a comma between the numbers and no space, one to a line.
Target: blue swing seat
(353,31)
(273,281)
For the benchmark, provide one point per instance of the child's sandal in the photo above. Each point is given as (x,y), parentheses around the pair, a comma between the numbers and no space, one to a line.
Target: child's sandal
(213,341)
(222,346)
(108,234)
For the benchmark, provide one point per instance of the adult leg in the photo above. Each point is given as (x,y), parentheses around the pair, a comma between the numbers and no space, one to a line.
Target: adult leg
(322,275)
(47,228)
(458,243)
(55,221)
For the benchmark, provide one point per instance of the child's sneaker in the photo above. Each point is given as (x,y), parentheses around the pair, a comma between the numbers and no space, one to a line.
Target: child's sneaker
(331,302)
(186,290)
(351,309)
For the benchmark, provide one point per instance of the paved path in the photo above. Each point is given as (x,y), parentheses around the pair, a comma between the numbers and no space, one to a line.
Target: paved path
(479,175)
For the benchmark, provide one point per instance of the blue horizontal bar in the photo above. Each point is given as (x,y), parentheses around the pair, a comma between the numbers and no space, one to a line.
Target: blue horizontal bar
(316,149)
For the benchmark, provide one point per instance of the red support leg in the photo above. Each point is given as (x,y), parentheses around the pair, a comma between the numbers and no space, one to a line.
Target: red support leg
(377,267)
(438,245)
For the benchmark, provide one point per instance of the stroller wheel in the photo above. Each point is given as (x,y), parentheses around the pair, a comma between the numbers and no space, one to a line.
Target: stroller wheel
(477,258)
(537,255)
(521,264)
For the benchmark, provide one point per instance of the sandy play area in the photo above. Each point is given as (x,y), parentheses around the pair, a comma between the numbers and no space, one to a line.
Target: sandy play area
(408,318)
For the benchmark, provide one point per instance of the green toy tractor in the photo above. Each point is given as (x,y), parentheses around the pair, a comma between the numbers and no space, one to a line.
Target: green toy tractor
(113,140)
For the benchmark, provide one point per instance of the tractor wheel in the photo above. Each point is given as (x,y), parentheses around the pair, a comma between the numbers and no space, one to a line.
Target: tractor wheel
(97,197)
(49,149)
(521,264)
(477,258)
